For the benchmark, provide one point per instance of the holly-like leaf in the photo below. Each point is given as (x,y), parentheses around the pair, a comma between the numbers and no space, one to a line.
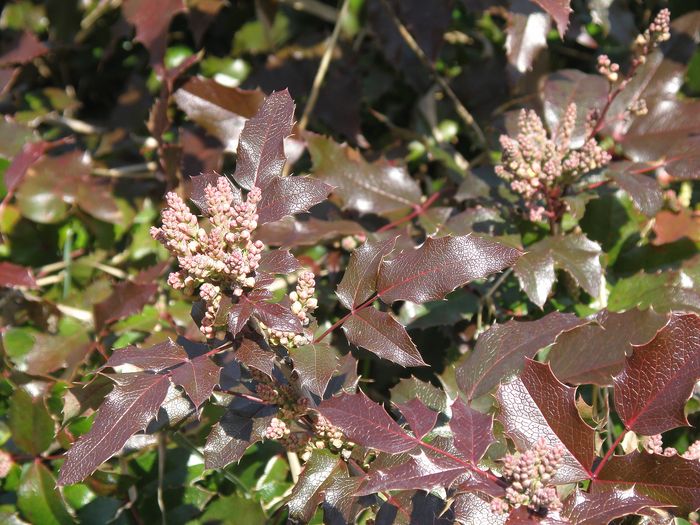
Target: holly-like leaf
(670,227)
(381,334)
(644,190)
(420,472)
(221,110)
(251,354)
(155,358)
(278,261)
(381,187)
(413,507)
(24,48)
(659,377)
(419,417)
(575,253)
(439,266)
(261,155)
(366,423)
(15,172)
(31,425)
(286,196)
(274,315)
(563,87)
(242,425)
(669,480)
(315,363)
(661,76)
(500,352)
(595,352)
(603,503)
(559,10)
(526,34)
(152,19)
(319,472)
(15,276)
(39,499)
(360,278)
(198,376)
(127,298)
(473,508)
(129,407)
(472,431)
(536,405)
(290,232)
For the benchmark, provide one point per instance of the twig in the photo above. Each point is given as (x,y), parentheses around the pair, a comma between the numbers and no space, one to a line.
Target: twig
(323,66)
(313,7)
(136,171)
(161,475)
(294,465)
(417,212)
(462,111)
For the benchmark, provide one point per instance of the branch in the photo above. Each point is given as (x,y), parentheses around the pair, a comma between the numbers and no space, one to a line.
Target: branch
(462,111)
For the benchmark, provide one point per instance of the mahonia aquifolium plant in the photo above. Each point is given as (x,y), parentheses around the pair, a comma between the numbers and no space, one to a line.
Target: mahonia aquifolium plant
(224,259)
(539,166)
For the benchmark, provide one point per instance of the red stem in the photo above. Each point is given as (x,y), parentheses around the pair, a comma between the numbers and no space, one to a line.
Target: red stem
(417,211)
(345,318)
(608,454)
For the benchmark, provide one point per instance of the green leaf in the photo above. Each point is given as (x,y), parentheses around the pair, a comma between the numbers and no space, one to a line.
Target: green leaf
(30,422)
(38,498)
(233,510)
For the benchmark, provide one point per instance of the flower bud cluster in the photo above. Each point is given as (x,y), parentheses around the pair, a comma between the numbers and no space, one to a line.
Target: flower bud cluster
(535,163)
(608,68)
(529,474)
(303,303)
(654,445)
(222,259)
(659,31)
(327,436)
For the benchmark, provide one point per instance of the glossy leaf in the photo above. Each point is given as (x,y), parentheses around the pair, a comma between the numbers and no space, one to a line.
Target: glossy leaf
(127,298)
(671,227)
(381,334)
(643,189)
(290,232)
(380,187)
(251,354)
(575,253)
(595,352)
(278,261)
(307,493)
(315,363)
(475,509)
(155,358)
(536,405)
(360,278)
(261,155)
(670,480)
(31,425)
(129,407)
(420,418)
(15,276)
(420,472)
(286,196)
(151,19)
(221,110)
(567,86)
(255,303)
(242,425)
(559,10)
(526,34)
(198,376)
(472,431)
(501,351)
(659,377)
(39,499)
(15,172)
(366,423)
(439,266)
(603,503)
(24,48)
